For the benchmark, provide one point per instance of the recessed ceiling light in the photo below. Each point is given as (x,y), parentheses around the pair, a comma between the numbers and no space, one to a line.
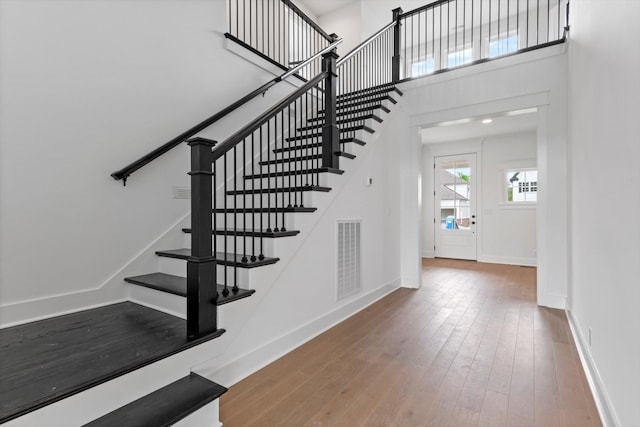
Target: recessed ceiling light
(487,121)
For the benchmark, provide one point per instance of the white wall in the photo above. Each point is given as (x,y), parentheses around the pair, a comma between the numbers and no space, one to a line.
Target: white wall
(87,87)
(346,23)
(604,153)
(506,234)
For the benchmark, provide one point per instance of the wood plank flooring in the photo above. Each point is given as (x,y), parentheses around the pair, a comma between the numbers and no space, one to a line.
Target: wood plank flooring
(471,348)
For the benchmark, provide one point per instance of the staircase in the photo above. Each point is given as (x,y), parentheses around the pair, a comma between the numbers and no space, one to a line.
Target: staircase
(248,205)
(247,192)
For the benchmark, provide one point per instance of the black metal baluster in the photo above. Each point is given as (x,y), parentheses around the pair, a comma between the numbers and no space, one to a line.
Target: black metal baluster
(269,229)
(225,291)
(215,209)
(286,155)
(244,202)
(235,213)
(253,195)
(235,217)
(282,228)
(261,211)
(275,173)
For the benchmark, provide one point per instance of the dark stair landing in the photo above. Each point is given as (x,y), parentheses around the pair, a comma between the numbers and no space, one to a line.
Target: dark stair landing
(166,406)
(46,361)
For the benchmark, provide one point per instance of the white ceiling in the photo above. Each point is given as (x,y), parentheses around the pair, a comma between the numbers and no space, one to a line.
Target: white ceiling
(471,128)
(320,7)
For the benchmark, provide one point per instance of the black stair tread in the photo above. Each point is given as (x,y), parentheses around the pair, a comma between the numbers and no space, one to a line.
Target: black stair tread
(319,134)
(303,158)
(347,119)
(345,110)
(372,91)
(252,233)
(165,406)
(229,259)
(280,190)
(347,103)
(294,172)
(52,359)
(350,116)
(318,144)
(266,210)
(177,285)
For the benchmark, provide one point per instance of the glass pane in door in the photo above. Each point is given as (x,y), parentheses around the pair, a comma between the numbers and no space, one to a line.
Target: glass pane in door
(455,194)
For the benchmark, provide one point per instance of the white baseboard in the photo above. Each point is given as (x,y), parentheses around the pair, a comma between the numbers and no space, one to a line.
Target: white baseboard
(497,259)
(599,391)
(249,363)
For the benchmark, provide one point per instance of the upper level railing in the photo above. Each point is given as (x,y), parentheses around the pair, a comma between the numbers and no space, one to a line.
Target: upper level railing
(451,33)
(279,31)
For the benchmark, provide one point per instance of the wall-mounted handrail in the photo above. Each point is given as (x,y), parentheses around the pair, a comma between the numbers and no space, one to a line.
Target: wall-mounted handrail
(126,171)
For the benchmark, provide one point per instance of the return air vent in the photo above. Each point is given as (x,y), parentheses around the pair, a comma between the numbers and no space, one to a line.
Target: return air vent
(348,264)
(180,192)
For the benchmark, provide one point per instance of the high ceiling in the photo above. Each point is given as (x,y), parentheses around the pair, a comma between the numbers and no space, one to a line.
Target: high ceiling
(320,7)
(471,128)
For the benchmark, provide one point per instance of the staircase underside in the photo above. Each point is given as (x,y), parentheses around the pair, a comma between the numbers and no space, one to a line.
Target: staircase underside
(49,360)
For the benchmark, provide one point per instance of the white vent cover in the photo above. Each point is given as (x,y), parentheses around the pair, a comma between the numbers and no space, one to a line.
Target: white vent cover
(180,192)
(348,264)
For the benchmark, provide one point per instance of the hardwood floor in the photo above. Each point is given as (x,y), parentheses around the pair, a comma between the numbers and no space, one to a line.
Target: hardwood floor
(471,348)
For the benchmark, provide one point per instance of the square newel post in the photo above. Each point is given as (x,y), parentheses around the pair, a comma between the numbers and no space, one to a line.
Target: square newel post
(395,60)
(201,266)
(330,130)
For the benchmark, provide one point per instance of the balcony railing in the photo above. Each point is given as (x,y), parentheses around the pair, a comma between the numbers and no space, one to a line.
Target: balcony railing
(451,33)
(279,31)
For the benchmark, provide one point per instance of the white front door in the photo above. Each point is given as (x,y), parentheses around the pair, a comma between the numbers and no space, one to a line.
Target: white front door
(455,206)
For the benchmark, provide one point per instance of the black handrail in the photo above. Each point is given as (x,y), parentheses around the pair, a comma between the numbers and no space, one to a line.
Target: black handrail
(237,137)
(125,172)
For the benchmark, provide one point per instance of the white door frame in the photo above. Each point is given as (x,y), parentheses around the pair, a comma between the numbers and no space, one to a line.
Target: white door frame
(551,236)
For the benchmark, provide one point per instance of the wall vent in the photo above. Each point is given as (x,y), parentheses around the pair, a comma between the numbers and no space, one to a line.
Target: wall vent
(348,263)
(180,192)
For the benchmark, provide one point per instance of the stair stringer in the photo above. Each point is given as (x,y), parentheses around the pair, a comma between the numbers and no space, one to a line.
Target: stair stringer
(251,342)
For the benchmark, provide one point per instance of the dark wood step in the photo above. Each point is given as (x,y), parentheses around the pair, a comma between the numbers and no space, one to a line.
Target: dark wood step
(52,359)
(177,285)
(372,91)
(357,102)
(166,406)
(228,259)
(319,134)
(295,172)
(251,233)
(366,107)
(303,158)
(280,190)
(360,119)
(318,145)
(265,210)
(353,115)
